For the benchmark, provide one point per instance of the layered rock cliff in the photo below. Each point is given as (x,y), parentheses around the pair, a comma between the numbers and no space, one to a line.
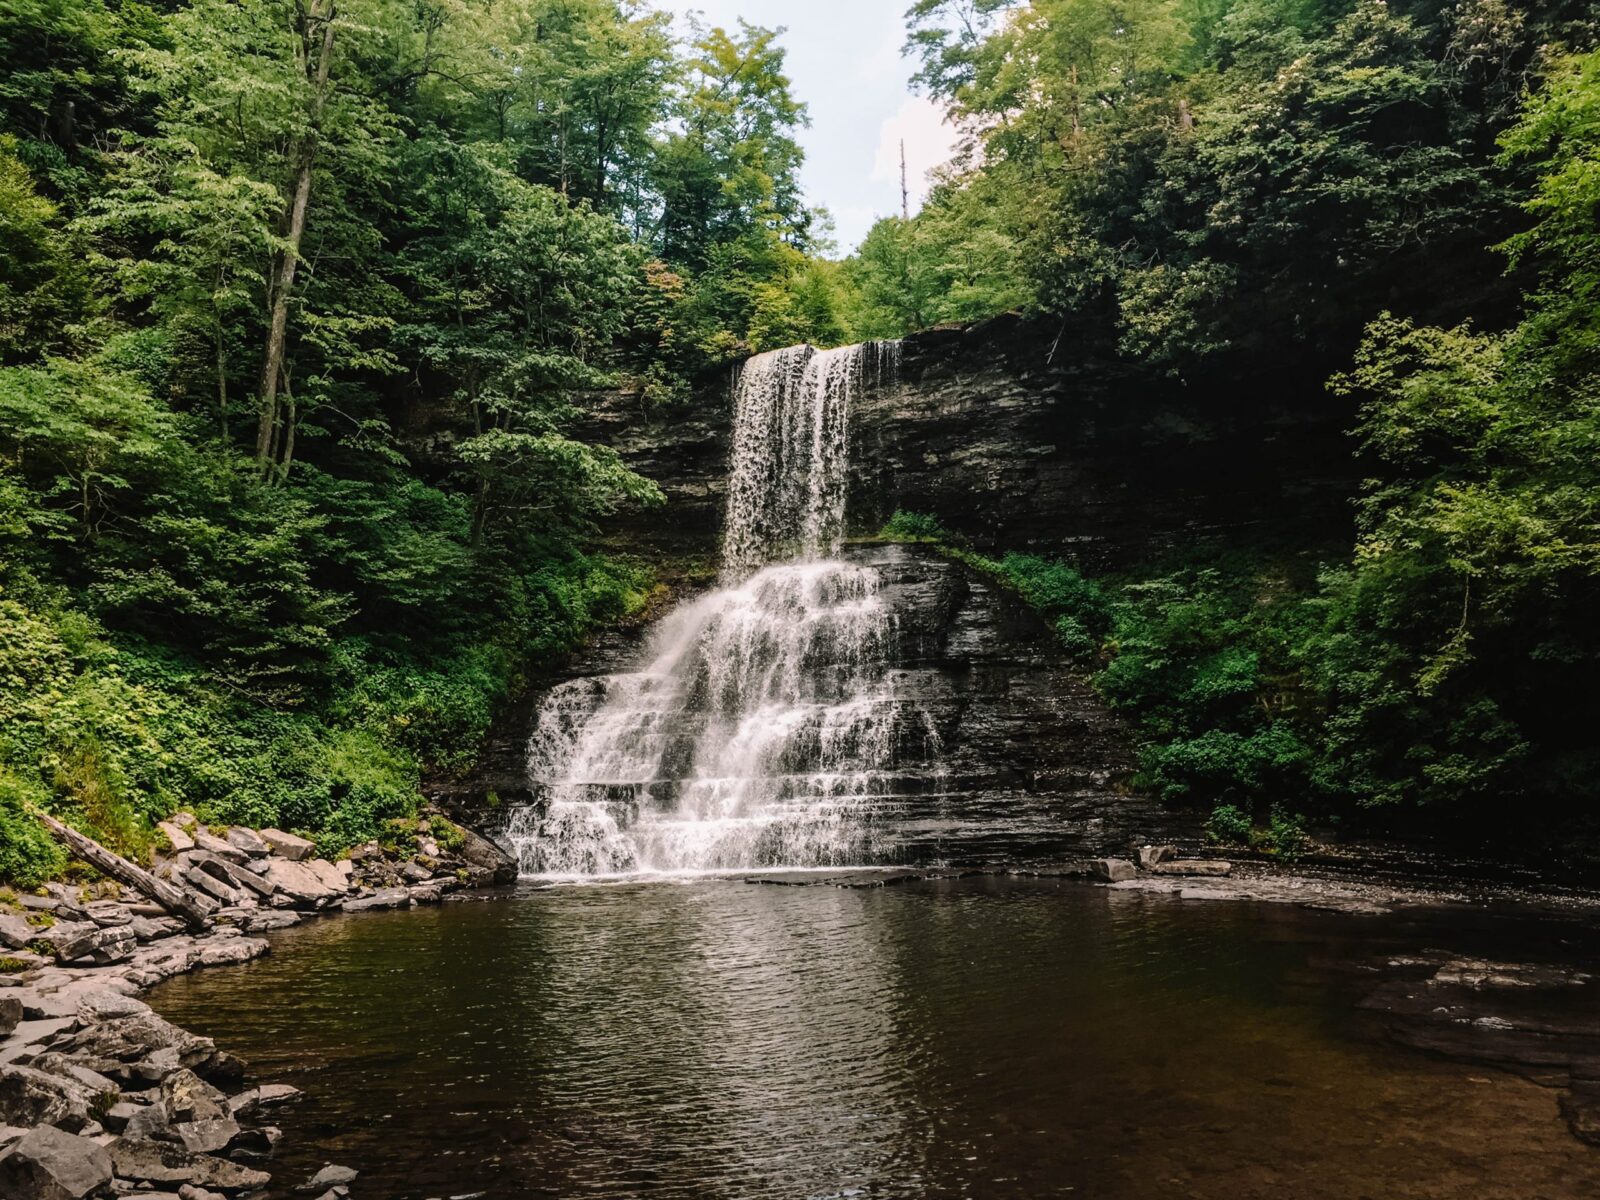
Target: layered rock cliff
(1015,436)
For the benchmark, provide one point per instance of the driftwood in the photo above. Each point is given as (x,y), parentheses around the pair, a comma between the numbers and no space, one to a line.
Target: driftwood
(190,909)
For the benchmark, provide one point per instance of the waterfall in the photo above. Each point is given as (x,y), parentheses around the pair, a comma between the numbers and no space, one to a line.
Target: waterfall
(761,723)
(790,461)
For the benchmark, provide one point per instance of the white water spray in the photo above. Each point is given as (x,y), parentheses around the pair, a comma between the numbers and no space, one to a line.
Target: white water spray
(762,721)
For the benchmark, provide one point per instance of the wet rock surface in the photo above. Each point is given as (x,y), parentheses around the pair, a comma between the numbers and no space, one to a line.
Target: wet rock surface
(1002,752)
(1539,1019)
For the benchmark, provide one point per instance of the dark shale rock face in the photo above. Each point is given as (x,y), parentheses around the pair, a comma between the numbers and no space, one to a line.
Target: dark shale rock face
(1004,754)
(1015,436)
(1025,764)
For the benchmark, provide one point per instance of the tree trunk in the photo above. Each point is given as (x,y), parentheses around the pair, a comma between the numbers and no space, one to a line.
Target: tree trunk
(287,459)
(282,287)
(190,909)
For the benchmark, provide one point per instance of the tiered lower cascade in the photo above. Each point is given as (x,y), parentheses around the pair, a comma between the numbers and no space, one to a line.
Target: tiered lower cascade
(756,734)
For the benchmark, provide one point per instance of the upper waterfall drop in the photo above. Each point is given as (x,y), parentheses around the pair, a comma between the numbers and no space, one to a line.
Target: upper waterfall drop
(761,726)
(788,471)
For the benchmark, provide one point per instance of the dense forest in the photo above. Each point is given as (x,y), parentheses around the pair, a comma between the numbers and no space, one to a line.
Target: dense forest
(1399,202)
(302,302)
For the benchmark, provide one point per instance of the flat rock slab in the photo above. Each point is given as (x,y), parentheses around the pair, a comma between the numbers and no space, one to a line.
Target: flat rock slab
(1192,866)
(165,1163)
(301,883)
(219,847)
(248,841)
(287,845)
(397,897)
(177,838)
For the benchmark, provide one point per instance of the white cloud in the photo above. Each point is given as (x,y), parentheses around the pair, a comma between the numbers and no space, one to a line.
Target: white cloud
(929,143)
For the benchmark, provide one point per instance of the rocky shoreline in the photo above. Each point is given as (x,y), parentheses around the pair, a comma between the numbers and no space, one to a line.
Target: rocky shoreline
(101,1097)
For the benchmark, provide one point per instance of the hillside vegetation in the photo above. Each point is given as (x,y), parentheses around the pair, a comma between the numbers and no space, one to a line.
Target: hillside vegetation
(1398,202)
(298,305)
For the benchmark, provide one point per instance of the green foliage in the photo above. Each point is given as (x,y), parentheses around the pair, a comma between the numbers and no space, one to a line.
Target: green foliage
(1284,837)
(1076,606)
(28,855)
(1229,825)
(1226,175)
(290,631)
(914,527)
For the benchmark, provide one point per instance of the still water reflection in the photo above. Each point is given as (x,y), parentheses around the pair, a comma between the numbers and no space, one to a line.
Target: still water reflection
(977,1039)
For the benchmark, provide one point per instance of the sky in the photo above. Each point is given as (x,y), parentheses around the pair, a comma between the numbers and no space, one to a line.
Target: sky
(845,64)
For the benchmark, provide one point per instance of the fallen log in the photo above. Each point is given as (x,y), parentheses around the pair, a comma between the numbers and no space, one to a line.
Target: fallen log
(187,908)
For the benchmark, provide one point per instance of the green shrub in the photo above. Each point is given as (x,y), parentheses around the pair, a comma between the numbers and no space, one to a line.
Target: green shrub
(447,833)
(914,527)
(1286,834)
(28,854)
(1229,825)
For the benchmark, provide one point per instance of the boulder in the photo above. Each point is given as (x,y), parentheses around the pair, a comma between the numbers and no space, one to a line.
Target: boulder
(204,881)
(427,893)
(479,851)
(176,837)
(141,1038)
(190,1098)
(256,1144)
(241,879)
(108,913)
(149,929)
(32,1097)
(50,1164)
(222,849)
(149,1124)
(287,845)
(10,1015)
(248,841)
(249,1104)
(207,1137)
(228,952)
(329,1177)
(1111,870)
(415,872)
(60,1065)
(15,933)
(71,941)
(189,1192)
(119,1114)
(329,874)
(163,1162)
(93,1004)
(299,883)
(1150,856)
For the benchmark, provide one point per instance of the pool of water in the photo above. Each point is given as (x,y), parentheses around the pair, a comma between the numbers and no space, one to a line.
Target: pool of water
(984,1038)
